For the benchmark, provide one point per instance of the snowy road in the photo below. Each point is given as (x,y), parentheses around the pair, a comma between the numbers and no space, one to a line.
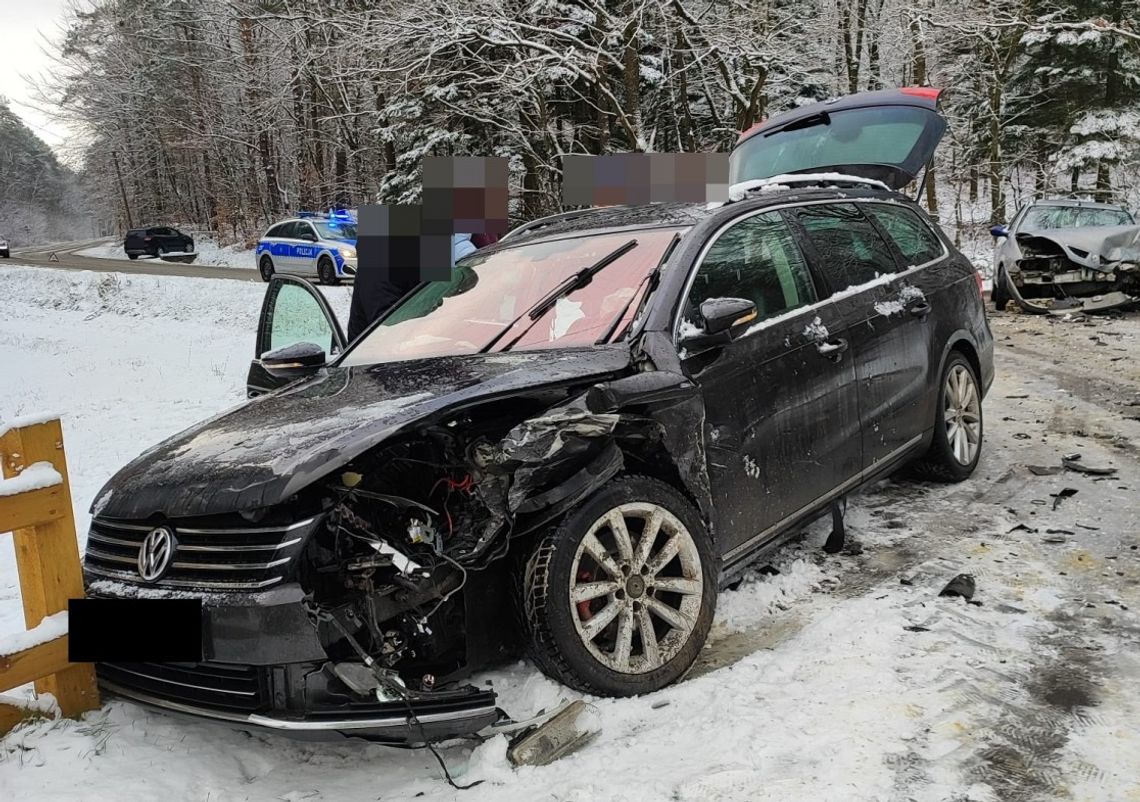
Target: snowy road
(841,678)
(70,256)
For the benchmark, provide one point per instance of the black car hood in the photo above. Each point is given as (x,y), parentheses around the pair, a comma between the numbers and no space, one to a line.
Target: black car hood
(265,450)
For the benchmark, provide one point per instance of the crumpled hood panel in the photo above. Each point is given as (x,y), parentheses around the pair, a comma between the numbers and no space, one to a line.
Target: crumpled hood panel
(266,449)
(1114,243)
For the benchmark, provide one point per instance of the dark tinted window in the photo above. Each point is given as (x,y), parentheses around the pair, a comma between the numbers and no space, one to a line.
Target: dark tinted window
(301,228)
(913,237)
(849,249)
(277,230)
(757,259)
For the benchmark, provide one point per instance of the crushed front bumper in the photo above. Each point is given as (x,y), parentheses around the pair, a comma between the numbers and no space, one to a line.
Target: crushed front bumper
(245,697)
(263,668)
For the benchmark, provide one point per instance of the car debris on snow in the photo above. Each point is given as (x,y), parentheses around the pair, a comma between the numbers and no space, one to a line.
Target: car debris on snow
(962,585)
(1061,495)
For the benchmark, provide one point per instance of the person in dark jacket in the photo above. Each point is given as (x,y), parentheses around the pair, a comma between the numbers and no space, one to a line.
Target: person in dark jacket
(374,291)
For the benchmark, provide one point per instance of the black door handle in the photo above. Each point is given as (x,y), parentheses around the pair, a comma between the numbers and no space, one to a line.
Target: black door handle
(832,349)
(920,309)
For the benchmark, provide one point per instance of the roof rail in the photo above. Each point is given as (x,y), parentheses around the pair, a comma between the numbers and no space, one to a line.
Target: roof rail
(739,190)
(545,221)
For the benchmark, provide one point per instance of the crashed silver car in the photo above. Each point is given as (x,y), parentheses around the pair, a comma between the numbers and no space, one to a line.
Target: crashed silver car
(1067,256)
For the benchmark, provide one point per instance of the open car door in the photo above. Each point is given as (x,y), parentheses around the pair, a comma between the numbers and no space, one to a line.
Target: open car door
(888,136)
(297,331)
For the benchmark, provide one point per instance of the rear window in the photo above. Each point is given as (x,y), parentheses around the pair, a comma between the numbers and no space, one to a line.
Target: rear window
(277,230)
(137,232)
(913,237)
(881,135)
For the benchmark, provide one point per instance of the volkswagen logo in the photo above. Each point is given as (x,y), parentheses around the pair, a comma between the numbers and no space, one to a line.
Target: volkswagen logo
(156,553)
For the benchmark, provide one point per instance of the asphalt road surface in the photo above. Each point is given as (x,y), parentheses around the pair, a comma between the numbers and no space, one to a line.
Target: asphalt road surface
(67,257)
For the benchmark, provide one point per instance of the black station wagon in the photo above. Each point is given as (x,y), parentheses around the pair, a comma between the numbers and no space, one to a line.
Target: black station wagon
(568,448)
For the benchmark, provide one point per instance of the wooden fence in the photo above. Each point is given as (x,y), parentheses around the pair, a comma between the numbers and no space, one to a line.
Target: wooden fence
(39,516)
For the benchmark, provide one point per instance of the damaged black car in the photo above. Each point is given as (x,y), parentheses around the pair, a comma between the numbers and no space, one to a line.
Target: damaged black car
(566,450)
(1067,255)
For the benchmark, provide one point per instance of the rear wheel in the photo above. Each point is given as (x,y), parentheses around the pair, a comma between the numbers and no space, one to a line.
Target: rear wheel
(132,256)
(619,598)
(326,272)
(265,267)
(957,443)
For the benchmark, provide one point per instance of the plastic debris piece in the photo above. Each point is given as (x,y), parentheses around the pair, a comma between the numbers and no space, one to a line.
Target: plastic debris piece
(1073,463)
(1044,470)
(575,726)
(960,586)
(1062,494)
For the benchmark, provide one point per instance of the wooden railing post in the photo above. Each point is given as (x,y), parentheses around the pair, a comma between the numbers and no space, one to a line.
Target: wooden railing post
(47,558)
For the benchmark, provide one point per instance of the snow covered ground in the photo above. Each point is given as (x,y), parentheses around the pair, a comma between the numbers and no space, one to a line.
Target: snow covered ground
(840,678)
(209,253)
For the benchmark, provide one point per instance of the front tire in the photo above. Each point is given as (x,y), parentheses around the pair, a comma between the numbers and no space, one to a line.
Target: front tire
(326,272)
(619,598)
(958,430)
(1000,294)
(265,268)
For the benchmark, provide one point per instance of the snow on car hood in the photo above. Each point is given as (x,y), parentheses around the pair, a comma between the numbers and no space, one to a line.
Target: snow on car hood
(263,451)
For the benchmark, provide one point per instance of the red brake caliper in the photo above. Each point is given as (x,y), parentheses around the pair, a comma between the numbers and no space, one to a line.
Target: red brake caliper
(584,613)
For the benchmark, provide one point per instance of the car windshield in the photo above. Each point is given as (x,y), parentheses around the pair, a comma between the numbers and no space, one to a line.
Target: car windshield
(491,292)
(334,230)
(1044,217)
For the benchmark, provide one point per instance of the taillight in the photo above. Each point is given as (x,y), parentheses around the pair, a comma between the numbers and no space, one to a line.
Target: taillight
(981,282)
(146,239)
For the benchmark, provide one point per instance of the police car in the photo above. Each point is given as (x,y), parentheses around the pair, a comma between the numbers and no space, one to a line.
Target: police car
(310,244)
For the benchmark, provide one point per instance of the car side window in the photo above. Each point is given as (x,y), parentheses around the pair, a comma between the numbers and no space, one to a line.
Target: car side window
(912,236)
(276,231)
(289,230)
(849,249)
(300,230)
(756,259)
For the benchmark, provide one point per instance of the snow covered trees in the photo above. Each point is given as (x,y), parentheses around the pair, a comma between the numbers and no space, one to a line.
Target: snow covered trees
(229,113)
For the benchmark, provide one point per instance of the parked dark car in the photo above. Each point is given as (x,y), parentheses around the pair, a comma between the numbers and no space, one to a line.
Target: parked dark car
(5,253)
(569,447)
(156,240)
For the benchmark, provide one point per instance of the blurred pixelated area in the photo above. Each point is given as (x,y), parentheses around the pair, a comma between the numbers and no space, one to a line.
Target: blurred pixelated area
(413,242)
(466,193)
(469,195)
(639,178)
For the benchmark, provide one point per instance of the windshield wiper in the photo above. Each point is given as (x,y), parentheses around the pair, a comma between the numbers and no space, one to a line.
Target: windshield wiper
(651,280)
(570,284)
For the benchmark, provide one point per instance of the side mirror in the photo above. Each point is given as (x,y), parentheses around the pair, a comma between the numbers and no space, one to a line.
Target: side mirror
(999,231)
(294,361)
(724,320)
(725,314)
(309,236)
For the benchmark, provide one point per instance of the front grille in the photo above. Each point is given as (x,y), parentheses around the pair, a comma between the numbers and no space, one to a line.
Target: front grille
(214,686)
(217,556)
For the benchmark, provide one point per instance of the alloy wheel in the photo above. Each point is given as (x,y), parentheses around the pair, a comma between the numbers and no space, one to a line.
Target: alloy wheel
(963,414)
(636,587)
